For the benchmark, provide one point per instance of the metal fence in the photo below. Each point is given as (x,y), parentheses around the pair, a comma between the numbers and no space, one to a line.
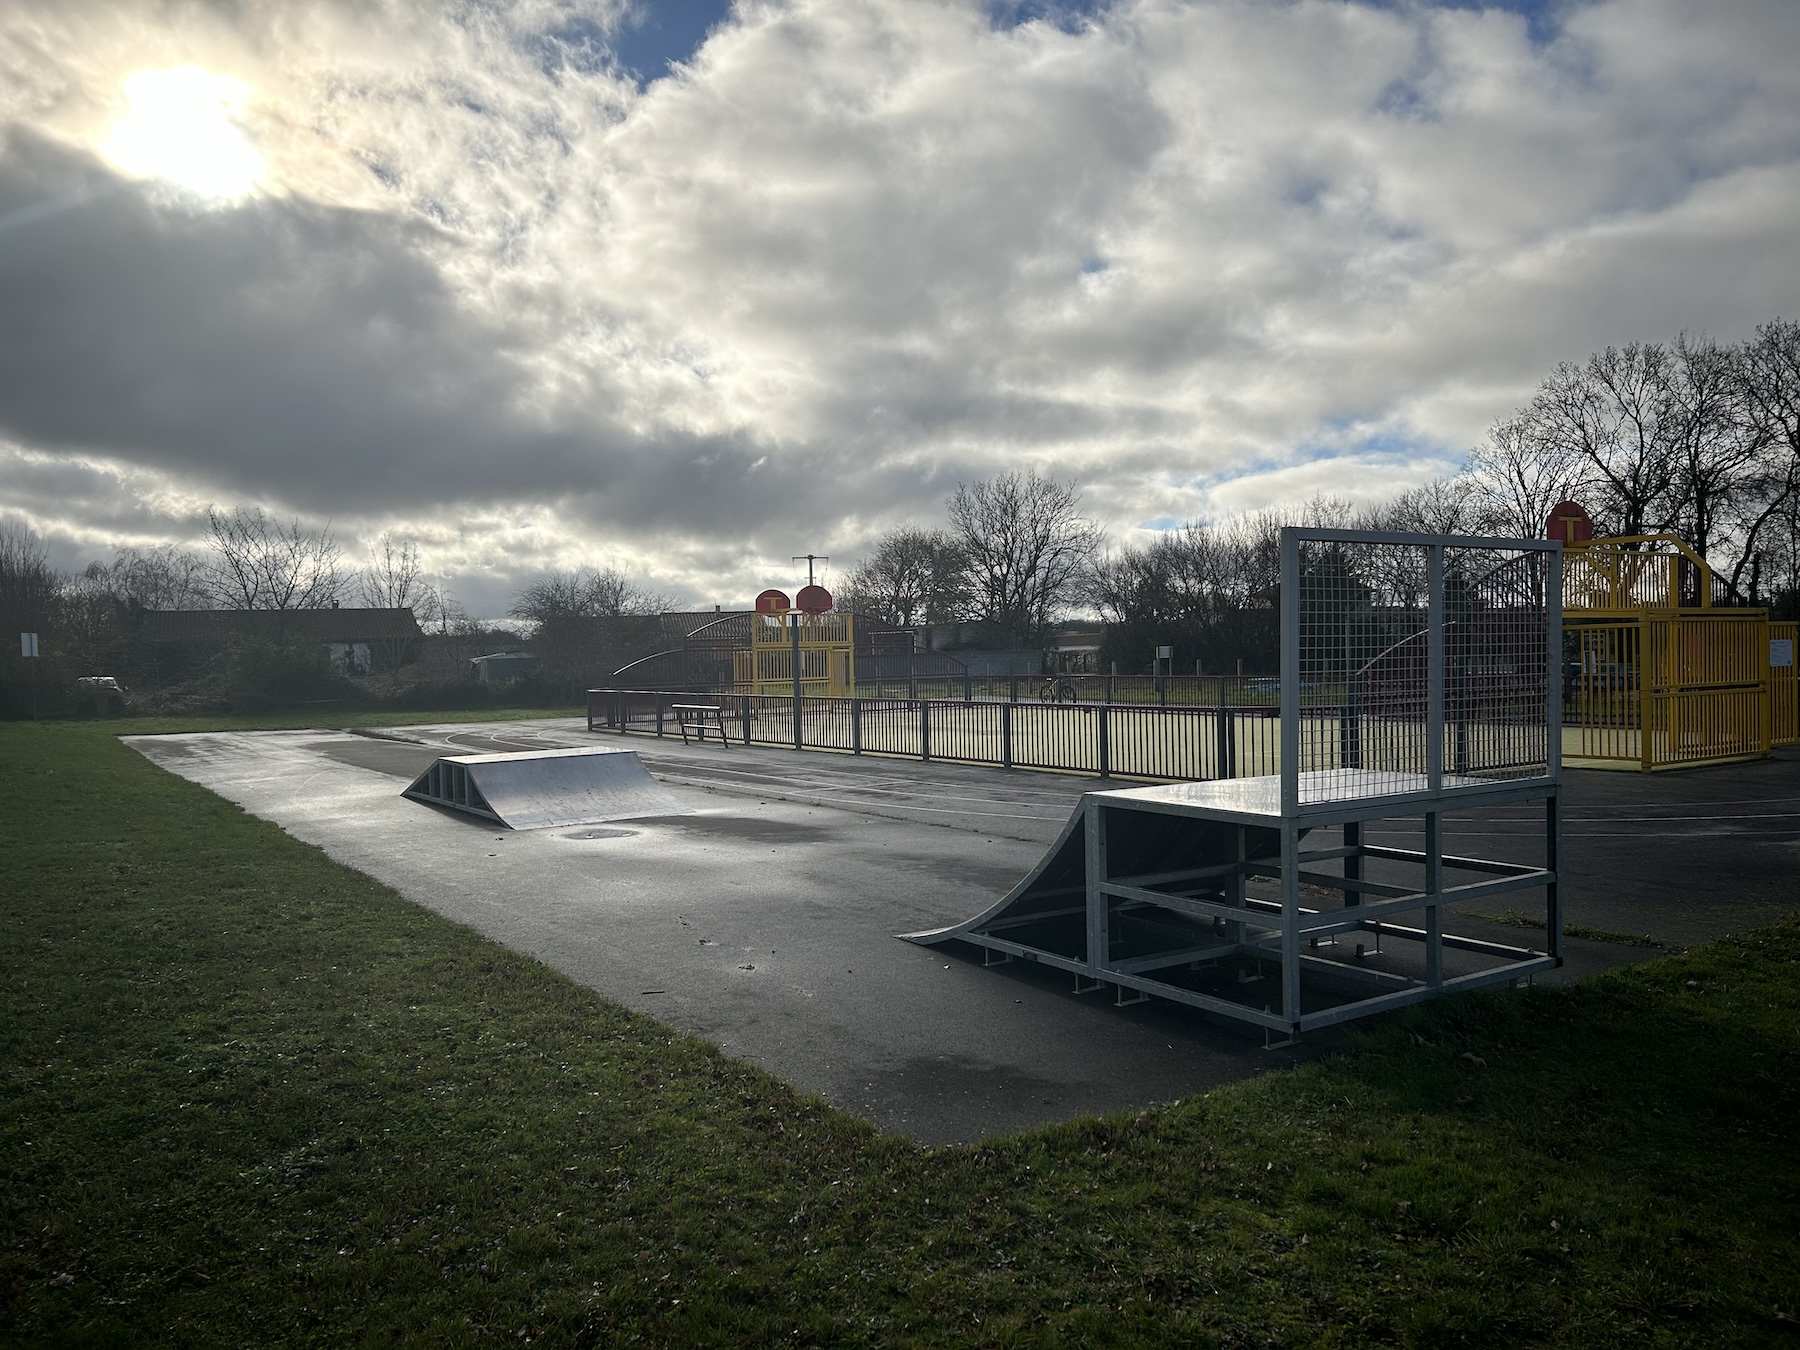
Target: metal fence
(1665,688)
(1106,740)
(1186,691)
(1784,691)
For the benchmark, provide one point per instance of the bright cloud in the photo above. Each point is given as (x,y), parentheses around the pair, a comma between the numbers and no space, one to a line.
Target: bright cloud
(492,290)
(182,128)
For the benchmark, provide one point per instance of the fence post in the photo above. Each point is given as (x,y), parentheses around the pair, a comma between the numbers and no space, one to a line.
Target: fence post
(856,726)
(659,715)
(1103,713)
(1006,712)
(1015,688)
(744,709)
(968,686)
(1109,688)
(925,729)
(794,650)
(1222,742)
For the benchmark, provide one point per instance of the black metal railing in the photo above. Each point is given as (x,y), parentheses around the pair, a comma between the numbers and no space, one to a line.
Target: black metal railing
(1108,740)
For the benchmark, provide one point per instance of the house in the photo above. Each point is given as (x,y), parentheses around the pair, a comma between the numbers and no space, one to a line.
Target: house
(1074,648)
(356,641)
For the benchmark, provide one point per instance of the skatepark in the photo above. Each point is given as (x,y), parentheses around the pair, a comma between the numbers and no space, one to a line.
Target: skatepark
(763,916)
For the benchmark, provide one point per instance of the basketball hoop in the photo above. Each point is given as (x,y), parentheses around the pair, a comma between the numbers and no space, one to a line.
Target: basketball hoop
(1569,523)
(773,602)
(813,600)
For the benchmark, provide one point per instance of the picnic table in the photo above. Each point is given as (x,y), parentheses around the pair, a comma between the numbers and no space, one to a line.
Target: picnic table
(700,716)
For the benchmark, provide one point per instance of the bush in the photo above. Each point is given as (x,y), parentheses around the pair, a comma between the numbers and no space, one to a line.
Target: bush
(262,673)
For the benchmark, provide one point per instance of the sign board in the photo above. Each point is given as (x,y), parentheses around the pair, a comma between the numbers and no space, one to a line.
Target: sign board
(1781,652)
(1164,653)
(772,602)
(28,644)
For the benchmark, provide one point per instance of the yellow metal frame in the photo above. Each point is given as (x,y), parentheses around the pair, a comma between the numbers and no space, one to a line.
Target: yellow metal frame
(1631,572)
(1658,684)
(1784,692)
(827,655)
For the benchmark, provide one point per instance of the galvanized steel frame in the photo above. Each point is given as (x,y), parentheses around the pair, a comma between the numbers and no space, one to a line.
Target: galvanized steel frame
(1286,931)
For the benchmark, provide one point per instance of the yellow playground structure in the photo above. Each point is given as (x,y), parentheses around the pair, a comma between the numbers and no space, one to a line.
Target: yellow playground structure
(1658,676)
(822,645)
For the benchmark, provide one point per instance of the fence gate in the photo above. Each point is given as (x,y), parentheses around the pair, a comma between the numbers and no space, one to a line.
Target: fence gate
(1670,687)
(1784,694)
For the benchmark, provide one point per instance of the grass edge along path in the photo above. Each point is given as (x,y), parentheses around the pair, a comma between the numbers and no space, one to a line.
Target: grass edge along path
(249,1095)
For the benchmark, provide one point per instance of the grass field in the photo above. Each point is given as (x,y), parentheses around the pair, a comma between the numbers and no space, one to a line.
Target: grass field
(252,1097)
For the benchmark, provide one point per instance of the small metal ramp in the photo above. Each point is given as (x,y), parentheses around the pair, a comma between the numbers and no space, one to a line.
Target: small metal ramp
(541,789)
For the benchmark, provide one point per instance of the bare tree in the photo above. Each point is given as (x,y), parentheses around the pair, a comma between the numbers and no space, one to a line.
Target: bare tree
(1713,441)
(259,563)
(587,624)
(1516,477)
(913,577)
(592,593)
(1442,506)
(29,585)
(1769,369)
(391,580)
(1618,421)
(165,577)
(1026,549)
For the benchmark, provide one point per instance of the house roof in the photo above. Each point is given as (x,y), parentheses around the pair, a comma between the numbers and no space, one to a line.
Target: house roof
(299,625)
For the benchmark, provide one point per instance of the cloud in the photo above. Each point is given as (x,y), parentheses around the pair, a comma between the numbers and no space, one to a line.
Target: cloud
(498,294)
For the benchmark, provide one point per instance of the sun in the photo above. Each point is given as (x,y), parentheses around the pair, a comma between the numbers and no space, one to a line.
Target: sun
(182,128)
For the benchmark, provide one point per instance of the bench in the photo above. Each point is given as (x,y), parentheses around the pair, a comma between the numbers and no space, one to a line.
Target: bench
(700,716)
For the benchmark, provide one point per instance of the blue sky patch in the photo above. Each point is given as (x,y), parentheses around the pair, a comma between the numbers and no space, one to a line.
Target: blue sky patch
(1069,15)
(659,32)
(1543,18)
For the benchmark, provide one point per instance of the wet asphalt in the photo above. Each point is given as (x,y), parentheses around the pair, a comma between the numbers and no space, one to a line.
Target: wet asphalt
(765,921)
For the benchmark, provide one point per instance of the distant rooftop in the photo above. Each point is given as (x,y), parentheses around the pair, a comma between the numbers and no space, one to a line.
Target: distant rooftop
(303,625)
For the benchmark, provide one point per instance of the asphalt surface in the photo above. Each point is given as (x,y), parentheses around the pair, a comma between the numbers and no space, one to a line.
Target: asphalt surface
(765,920)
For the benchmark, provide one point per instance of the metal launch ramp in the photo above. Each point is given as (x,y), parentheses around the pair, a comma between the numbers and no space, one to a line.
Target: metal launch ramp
(1191,892)
(541,789)
(1417,679)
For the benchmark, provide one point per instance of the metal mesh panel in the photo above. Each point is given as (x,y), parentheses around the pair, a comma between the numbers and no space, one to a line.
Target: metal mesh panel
(1414,664)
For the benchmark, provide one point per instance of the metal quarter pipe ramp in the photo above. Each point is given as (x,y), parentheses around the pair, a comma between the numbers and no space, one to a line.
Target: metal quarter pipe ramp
(1191,892)
(1417,678)
(540,789)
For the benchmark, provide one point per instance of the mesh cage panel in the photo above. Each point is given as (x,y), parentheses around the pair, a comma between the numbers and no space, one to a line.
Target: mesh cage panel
(1369,640)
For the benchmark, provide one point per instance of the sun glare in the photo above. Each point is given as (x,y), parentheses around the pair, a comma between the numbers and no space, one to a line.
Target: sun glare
(181,128)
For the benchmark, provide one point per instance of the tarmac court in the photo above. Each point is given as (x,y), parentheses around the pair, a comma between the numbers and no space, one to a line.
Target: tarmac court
(765,920)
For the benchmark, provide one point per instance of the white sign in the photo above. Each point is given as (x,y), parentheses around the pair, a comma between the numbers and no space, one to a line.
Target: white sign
(27,644)
(1781,651)
(1164,653)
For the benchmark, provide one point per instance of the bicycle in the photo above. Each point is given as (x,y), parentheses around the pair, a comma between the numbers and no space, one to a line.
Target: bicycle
(1057,689)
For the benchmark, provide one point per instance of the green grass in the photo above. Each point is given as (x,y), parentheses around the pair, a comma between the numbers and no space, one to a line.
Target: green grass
(249,1096)
(299,719)
(1513,919)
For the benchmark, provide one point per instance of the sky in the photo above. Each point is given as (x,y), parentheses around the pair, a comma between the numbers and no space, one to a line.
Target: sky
(692,288)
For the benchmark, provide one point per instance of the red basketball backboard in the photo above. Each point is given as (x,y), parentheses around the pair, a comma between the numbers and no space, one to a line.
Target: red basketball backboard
(1569,522)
